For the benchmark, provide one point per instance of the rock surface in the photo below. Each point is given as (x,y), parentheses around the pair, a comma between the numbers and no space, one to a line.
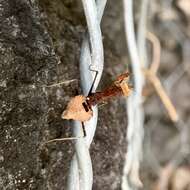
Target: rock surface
(39,46)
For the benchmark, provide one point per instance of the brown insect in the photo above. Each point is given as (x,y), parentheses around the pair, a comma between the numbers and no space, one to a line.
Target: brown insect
(80,107)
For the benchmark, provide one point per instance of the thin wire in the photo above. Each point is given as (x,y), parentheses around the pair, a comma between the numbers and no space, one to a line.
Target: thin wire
(80,174)
(141,33)
(135,131)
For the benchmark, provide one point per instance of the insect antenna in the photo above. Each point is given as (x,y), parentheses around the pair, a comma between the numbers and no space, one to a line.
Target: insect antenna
(62,139)
(63,82)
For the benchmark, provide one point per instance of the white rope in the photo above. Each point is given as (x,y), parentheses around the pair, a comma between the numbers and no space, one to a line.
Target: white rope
(141,36)
(135,131)
(80,174)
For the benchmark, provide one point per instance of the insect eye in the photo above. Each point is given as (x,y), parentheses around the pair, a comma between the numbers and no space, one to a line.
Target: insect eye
(85,106)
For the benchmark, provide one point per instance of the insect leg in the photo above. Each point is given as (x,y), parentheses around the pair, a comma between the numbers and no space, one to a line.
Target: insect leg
(83,128)
(90,91)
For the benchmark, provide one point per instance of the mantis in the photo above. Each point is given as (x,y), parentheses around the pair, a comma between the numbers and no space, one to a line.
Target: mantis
(80,107)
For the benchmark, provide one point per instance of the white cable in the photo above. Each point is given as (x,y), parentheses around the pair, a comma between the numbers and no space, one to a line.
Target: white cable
(135,132)
(141,36)
(80,174)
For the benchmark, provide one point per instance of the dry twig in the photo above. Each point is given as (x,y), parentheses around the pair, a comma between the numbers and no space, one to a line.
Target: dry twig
(152,77)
